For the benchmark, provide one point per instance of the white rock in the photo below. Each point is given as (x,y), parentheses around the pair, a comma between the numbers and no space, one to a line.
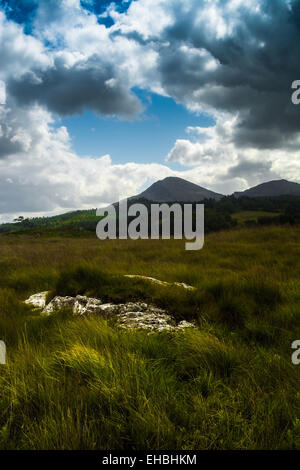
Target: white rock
(141,315)
(37,300)
(129,314)
(59,303)
(85,305)
(161,283)
(109,309)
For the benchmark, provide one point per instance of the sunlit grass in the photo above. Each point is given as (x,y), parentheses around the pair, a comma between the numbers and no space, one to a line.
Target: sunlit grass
(84,383)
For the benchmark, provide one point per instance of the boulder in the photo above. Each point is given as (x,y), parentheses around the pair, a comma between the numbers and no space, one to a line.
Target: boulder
(129,315)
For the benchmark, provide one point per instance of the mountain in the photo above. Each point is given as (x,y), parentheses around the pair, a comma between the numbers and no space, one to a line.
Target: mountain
(272,188)
(281,197)
(173,189)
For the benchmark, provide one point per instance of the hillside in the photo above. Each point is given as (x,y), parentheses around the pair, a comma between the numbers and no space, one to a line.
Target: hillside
(219,215)
(84,219)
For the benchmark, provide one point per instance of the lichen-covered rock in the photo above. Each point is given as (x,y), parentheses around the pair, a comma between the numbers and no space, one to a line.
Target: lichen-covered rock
(129,314)
(85,305)
(142,315)
(147,320)
(109,309)
(59,303)
(37,300)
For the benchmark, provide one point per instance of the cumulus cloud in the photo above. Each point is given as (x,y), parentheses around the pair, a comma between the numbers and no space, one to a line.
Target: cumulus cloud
(240,58)
(50,176)
(215,157)
(69,90)
(210,55)
(209,144)
(236,61)
(81,70)
(19,52)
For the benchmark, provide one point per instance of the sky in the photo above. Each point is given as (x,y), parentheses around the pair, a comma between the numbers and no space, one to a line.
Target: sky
(100,99)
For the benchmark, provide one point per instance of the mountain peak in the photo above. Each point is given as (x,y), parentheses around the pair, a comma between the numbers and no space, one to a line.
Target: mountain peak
(173,188)
(272,188)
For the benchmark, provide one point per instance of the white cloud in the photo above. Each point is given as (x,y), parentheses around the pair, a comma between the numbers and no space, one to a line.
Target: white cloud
(19,52)
(210,144)
(45,175)
(213,154)
(148,18)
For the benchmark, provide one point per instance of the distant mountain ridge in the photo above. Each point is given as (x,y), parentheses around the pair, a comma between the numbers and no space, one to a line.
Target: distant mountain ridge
(271,189)
(173,189)
(282,196)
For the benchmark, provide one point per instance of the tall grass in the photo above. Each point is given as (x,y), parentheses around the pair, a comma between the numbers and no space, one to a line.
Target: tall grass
(84,383)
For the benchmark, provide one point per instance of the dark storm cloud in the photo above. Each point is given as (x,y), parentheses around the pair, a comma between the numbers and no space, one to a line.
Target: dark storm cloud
(252,171)
(248,167)
(257,62)
(240,60)
(69,90)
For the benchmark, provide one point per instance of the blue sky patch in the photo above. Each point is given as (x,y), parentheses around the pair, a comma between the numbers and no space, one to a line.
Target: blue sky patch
(22,12)
(147,139)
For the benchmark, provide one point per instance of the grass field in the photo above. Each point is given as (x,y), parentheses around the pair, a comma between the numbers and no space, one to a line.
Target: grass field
(245,216)
(84,383)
